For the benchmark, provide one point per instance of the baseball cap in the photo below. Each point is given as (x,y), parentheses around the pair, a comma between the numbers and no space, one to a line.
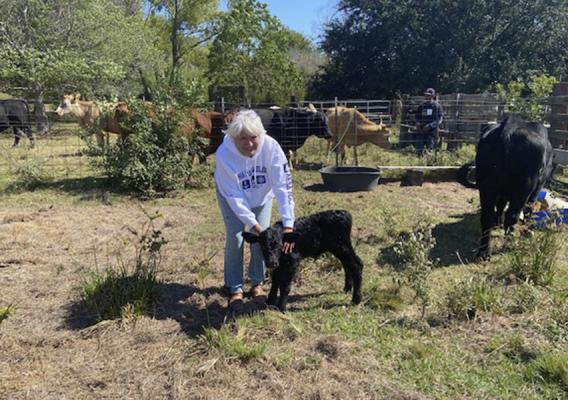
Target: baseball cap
(430,91)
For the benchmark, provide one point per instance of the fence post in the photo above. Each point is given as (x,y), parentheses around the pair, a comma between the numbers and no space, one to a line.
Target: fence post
(355,146)
(454,133)
(336,133)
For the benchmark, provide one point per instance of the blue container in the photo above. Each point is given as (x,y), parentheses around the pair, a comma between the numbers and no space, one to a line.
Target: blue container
(541,217)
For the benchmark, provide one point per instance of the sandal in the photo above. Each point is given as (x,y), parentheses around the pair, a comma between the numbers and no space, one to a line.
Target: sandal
(236,304)
(257,293)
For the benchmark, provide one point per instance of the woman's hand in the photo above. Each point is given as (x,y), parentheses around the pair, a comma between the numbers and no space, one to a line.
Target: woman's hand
(257,229)
(287,247)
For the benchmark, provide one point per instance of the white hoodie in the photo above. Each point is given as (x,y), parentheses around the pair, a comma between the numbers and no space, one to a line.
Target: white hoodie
(249,182)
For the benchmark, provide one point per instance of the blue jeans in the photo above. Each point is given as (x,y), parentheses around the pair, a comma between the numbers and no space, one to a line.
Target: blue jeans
(425,141)
(234,246)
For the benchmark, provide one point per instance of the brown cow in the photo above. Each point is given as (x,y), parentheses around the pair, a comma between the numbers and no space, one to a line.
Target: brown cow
(350,127)
(209,125)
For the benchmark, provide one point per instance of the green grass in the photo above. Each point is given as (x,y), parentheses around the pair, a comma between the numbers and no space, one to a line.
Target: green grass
(315,151)
(114,293)
(240,345)
(551,369)
(5,312)
(503,339)
(534,258)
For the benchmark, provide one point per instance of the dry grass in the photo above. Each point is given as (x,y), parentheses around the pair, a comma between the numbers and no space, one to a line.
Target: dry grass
(323,348)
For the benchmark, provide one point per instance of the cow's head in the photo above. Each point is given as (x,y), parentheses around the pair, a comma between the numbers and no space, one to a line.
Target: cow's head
(270,241)
(66,105)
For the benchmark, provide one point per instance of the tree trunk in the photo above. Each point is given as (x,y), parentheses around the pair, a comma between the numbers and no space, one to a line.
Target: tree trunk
(175,43)
(42,123)
(147,91)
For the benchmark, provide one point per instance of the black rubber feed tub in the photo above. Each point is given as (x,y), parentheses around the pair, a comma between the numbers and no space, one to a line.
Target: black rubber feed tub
(350,179)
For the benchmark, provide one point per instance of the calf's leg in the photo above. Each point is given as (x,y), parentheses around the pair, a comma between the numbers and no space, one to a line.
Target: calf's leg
(353,267)
(285,285)
(272,299)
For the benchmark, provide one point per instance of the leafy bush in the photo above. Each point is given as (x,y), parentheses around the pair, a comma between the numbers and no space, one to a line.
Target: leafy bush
(409,260)
(155,159)
(526,98)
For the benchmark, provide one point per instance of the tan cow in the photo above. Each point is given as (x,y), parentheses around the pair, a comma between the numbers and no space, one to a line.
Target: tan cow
(350,127)
(207,124)
(91,117)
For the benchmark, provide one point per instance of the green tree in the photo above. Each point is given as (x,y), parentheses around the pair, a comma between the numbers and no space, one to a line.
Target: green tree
(188,25)
(527,98)
(51,47)
(252,50)
(378,48)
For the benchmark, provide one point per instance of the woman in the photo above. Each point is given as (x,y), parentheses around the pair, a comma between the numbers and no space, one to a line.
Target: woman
(251,169)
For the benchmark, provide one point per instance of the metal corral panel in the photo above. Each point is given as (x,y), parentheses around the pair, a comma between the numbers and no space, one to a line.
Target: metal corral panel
(560,157)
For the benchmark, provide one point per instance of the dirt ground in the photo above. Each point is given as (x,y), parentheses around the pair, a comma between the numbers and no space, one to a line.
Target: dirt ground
(50,349)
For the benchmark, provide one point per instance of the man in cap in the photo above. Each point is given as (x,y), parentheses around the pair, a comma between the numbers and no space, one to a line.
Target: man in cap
(428,117)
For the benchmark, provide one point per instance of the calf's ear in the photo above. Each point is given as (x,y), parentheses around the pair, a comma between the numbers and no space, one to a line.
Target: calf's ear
(250,237)
(291,237)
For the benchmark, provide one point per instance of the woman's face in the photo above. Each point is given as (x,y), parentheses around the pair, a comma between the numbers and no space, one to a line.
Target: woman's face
(247,144)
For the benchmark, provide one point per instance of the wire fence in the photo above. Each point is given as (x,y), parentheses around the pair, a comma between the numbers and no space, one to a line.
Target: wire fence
(62,152)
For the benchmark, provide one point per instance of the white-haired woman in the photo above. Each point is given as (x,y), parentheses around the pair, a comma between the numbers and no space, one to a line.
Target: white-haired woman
(251,169)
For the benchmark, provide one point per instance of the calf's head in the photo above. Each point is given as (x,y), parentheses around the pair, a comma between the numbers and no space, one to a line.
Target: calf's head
(270,241)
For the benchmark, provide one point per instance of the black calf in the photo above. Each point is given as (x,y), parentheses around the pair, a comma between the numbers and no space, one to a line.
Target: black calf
(313,235)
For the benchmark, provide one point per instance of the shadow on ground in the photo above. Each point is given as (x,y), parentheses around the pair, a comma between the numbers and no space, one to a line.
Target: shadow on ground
(309,166)
(87,188)
(180,303)
(456,242)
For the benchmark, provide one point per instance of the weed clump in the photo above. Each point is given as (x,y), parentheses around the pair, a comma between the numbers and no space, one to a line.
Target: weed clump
(127,290)
(471,296)
(534,256)
(234,346)
(525,299)
(550,368)
(409,260)
(5,312)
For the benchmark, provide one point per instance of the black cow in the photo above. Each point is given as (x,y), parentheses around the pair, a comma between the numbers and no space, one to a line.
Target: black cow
(14,113)
(292,126)
(513,161)
(313,235)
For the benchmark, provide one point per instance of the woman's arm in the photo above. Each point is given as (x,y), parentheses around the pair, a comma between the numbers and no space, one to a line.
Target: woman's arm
(228,186)
(281,180)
